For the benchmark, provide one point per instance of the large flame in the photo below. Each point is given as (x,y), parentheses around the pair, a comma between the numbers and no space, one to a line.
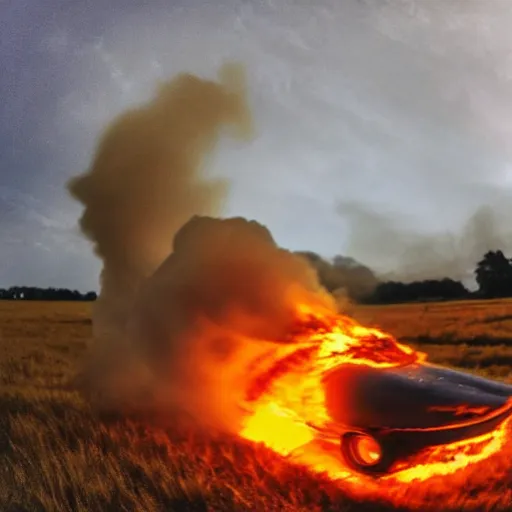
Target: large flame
(286,408)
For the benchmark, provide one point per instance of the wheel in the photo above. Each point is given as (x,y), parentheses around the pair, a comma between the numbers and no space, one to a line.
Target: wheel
(363,453)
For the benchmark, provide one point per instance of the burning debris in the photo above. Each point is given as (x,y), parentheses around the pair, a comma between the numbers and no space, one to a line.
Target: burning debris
(224,324)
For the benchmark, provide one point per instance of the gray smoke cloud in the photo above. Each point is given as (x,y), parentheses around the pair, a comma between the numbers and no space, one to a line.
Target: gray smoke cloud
(343,276)
(391,242)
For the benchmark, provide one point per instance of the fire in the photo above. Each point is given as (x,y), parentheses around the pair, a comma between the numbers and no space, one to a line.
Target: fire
(447,459)
(286,408)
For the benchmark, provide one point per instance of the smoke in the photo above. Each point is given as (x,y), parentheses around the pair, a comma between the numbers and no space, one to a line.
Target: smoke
(225,297)
(181,325)
(416,256)
(343,276)
(145,181)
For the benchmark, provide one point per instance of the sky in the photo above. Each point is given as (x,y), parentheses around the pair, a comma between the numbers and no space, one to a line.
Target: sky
(382,126)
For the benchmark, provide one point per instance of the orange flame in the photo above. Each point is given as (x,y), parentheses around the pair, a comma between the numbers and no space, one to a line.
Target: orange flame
(286,408)
(447,459)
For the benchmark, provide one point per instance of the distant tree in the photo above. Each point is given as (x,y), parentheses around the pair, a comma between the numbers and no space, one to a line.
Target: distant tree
(494,275)
(90,296)
(50,294)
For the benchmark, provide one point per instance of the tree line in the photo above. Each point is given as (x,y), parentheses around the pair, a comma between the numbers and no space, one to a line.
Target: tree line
(493,275)
(35,293)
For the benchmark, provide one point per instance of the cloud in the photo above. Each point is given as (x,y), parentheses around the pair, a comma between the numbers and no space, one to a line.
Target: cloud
(396,105)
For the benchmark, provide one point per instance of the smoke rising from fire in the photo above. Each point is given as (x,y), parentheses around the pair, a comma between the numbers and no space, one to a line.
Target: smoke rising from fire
(182,323)
(226,296)
(145,181)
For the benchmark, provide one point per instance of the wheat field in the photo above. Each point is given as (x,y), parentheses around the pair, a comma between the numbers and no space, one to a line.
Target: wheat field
(58,455)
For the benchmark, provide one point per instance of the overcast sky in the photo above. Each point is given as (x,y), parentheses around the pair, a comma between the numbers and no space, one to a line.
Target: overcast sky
(382,125)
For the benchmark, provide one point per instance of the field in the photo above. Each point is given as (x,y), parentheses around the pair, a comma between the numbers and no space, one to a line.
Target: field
(57,455)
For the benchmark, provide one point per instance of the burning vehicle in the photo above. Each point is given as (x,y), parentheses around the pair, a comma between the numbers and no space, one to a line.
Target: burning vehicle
(384,416)
(377,404)
(238,332)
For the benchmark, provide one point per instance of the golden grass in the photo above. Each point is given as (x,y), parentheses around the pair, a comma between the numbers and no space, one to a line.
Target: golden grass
(475,335)
(57,455)
(472,322)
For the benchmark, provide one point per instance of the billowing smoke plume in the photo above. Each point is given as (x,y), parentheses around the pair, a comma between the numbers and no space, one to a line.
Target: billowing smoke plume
(388,243)
(343,276)
(145,181)
(182,323)
(226,296)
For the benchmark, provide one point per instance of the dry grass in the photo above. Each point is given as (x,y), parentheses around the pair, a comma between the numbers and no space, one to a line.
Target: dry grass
(57,455)
(472,322)
(475,335)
